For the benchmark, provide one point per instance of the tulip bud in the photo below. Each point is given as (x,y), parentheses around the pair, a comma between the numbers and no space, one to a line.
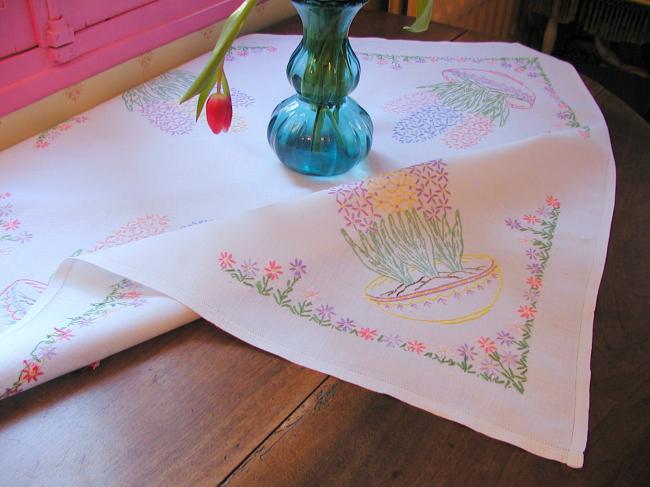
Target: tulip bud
(218,110)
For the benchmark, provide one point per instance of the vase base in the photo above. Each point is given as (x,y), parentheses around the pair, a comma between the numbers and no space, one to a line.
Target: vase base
(320,140)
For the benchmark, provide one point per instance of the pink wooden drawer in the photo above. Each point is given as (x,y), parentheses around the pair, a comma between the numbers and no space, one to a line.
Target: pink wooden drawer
(46,45)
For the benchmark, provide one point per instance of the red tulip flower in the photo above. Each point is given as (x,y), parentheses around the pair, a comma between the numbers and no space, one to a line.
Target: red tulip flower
(218,110)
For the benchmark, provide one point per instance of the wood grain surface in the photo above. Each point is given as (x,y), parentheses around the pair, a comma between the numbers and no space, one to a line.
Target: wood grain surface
(197,407)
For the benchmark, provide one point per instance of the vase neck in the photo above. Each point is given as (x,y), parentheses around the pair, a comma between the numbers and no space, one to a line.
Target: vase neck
(326,19)
(323,69)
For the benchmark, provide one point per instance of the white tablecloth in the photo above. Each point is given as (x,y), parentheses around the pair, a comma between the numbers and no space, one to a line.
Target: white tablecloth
(456,268)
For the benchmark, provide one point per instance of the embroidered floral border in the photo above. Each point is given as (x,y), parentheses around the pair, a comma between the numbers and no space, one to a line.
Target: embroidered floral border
(124,294)
(502,359)
(523,66)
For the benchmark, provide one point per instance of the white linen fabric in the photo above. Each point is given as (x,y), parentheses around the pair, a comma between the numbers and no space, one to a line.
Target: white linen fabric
(455,269)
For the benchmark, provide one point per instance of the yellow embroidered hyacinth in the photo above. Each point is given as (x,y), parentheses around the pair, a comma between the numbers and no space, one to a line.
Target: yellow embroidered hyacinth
(391,193)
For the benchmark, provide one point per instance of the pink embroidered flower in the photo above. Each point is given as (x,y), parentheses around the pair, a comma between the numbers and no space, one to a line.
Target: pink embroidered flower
(325,312)
(131,295)
(368,334)
(11,224)
(552,202)
(415,346)
(487,344)
(63,334)
(466,352)
(226,260)
(312,295)
(534,282)
(346,324)
(273,270)
(527,312)
(298,268)
(31,372)
(532,219)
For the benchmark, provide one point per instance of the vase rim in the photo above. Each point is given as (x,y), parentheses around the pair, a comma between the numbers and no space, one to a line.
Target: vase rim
(330,3)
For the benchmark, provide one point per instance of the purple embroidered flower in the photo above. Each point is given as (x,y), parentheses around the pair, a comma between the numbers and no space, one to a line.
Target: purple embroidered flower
(393,341)
(544,211)
(513,223)
(466,352)
(534,268)
(505,338)
(46,352)
(298,268)
(532,254)
(489,366)
(127,284)
(325,311)
(83,321)
(249,268)
(346,324)
(24,237)
(509,358)
(5,210)
(137,303)
(531,295)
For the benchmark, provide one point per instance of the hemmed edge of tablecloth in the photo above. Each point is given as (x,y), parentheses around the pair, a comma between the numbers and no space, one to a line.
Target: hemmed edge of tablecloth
(213,315)
(580,432)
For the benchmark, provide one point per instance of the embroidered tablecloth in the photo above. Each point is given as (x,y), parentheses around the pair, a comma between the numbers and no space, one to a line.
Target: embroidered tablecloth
(456,269)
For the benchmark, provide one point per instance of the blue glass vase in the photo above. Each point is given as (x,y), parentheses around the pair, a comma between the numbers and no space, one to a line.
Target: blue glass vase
(321,130)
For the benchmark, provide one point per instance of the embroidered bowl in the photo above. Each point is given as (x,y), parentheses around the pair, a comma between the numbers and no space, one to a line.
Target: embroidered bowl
(519,95)
(451,299)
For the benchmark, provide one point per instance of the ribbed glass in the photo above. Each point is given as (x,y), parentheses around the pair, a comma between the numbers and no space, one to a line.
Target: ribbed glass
(321,130)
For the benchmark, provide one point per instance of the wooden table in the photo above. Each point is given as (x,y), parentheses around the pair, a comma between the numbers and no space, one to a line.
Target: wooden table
(197,407)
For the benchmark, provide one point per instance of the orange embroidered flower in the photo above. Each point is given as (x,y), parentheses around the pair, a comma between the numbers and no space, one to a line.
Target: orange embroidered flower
(31,372)
(552,201)
(527,312)
(273,270)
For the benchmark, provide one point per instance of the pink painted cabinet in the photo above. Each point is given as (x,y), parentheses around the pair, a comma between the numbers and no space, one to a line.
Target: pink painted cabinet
(46,45)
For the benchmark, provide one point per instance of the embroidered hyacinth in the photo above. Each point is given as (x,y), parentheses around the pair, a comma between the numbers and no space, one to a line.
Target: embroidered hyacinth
(426,123)
(157,101)
(407,234)
(141,227)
